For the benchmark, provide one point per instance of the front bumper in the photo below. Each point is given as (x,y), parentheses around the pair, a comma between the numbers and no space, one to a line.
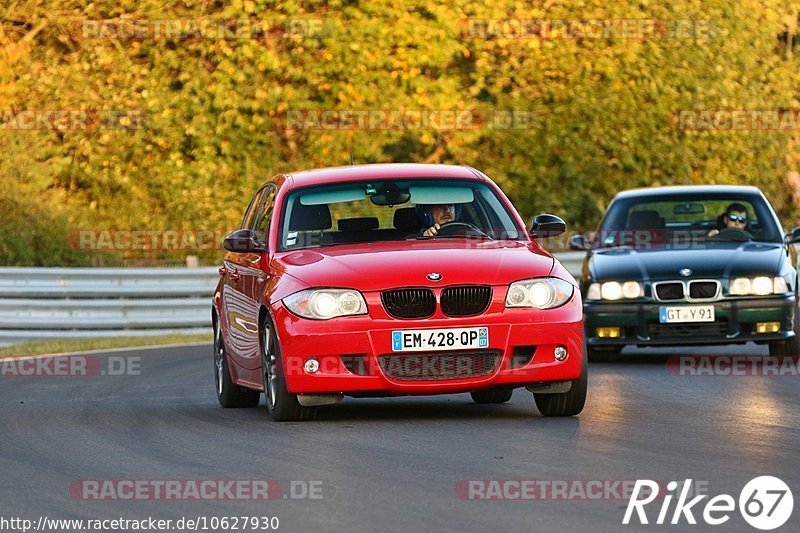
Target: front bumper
(525,340)
(735,321)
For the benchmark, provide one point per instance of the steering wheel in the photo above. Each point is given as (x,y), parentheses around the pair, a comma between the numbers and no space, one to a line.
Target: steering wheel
(451,229)
(734,234)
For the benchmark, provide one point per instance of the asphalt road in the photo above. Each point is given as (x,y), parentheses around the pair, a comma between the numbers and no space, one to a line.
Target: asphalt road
(391,464)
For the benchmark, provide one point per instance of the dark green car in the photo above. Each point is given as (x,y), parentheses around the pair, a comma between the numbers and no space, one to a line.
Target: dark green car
(686,266)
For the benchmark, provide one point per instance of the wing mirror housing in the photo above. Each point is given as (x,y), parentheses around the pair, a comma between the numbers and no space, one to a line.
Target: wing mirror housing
(793,236)
(244,241)
(546,225)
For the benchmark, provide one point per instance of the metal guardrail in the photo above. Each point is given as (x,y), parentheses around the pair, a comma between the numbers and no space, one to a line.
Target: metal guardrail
(46,303)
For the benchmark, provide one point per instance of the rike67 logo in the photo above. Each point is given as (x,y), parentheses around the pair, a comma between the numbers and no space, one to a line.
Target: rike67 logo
(765,503)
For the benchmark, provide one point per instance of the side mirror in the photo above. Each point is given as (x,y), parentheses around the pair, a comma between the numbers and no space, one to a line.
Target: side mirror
(577,242)
(544,226)
(244,241)
(793,237)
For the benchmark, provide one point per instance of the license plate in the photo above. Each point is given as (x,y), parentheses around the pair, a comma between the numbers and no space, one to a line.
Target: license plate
(419,340)
(695,313)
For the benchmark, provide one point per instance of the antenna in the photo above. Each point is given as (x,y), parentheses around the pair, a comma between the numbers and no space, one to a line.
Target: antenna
(352,159)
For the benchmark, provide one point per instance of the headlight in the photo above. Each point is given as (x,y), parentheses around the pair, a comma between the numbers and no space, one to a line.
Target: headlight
(758,286)
(615,290)
(322,304)
(542,293)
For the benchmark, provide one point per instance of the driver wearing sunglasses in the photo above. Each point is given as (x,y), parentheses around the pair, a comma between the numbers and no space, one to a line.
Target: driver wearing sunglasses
(735,217)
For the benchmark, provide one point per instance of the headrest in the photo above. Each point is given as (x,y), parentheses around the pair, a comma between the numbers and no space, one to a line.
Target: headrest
(358,224)
(310,217)
(645,220)
(405,218)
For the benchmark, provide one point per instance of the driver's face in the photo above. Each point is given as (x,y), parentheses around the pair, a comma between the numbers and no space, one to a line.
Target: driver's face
(443,213)
(736,219)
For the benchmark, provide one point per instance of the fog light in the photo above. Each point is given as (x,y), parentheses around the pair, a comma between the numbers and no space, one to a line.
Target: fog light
(768,327)
(609,333)
(560,352)
(311,366)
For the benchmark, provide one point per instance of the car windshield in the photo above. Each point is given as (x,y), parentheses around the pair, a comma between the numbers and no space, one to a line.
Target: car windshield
(687,219)
(392,210)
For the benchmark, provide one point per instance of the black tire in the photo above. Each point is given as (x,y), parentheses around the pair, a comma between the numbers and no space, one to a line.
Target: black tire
(495,395)
(566,403)
(283,406)
(789,346)
(229,394)
(604,354)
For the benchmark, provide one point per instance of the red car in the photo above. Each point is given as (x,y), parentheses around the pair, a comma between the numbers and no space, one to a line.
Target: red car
(390,280)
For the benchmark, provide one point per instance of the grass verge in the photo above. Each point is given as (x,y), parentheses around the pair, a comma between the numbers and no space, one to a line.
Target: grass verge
(100,343)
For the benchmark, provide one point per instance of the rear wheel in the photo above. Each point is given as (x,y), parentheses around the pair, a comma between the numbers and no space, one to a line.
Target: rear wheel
(495,395)
(568,403)
(229,394)
(283,406)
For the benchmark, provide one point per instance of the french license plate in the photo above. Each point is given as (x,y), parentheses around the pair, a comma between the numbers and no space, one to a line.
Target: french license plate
(419,340)
(695,313)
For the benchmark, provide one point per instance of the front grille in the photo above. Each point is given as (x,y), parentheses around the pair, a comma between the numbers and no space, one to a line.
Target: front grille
(703,290)
(669,291)
(465,301)
(439,366)
(409,303)
(697,329)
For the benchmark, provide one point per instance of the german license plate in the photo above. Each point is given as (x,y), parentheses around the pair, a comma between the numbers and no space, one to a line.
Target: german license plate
(695,313)
(419,340)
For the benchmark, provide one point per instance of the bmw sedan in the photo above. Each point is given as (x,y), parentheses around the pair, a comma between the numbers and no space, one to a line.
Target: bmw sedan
(689,265)
(391,280)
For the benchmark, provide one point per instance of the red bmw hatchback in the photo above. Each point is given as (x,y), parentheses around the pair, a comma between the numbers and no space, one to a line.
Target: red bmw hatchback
(390,280)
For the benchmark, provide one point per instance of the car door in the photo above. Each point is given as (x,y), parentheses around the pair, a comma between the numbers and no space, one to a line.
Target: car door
(245,282)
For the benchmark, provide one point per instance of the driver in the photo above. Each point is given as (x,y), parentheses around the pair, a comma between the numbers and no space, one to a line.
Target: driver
(735,217)
(437,215)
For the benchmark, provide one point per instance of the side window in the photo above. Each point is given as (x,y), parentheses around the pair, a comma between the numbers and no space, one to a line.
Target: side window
(264,213)
(249,216)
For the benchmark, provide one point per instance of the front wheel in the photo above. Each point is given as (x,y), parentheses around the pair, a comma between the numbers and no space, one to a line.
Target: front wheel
(568,403)
(229,394)
(790,346)
(283,406)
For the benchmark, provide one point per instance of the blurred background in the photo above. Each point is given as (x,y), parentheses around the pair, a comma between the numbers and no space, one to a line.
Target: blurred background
(167,116)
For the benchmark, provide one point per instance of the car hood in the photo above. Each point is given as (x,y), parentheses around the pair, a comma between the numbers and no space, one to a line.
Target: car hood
(378,266)
(721,261)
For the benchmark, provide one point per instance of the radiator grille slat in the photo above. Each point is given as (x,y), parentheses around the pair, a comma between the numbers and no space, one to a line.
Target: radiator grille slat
(409,303)
(465,301)
(670,291)
(703,289)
